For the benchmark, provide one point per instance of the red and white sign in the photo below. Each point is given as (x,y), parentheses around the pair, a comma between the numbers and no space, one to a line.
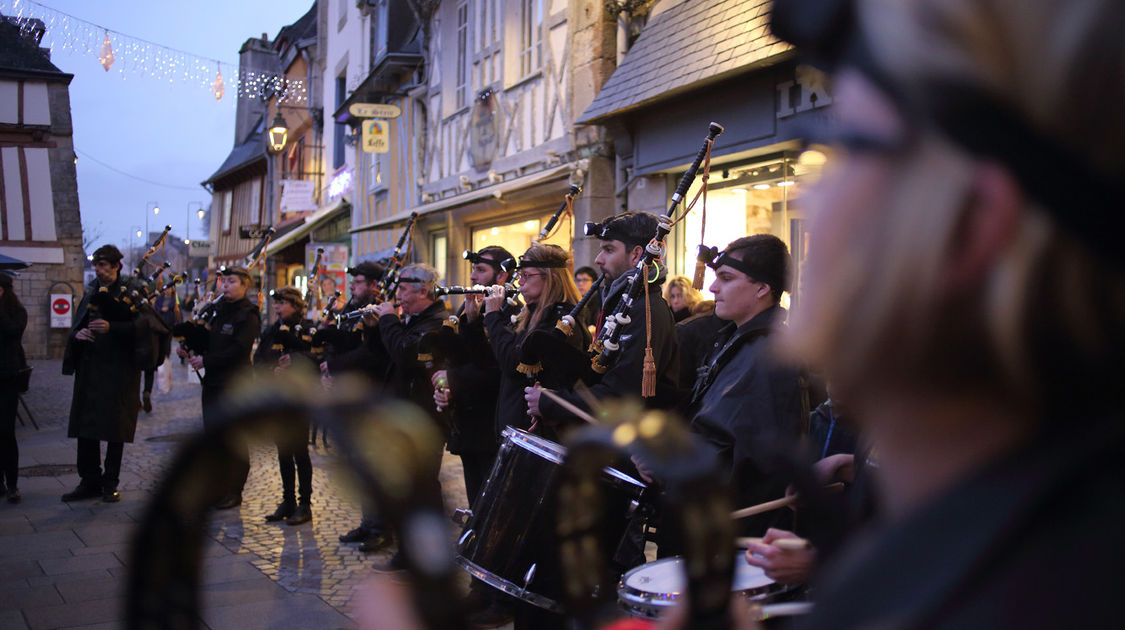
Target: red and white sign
(60,310)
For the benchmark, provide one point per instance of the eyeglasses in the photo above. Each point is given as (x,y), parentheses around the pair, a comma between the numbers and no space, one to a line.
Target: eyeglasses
(527,275)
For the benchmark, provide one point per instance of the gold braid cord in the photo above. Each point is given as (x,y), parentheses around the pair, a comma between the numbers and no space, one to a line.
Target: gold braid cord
(648,375)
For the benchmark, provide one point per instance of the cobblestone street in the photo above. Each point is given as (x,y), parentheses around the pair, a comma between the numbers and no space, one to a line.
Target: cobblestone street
(63,565)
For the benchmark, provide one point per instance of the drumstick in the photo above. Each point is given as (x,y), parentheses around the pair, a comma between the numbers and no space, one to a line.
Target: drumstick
(777,503)
(789,544)
(568,406)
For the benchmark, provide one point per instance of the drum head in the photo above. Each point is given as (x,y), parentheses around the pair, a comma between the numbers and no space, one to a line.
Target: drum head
(545,448)
(651,588)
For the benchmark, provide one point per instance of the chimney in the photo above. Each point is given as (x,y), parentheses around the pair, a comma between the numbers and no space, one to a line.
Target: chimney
(258,57)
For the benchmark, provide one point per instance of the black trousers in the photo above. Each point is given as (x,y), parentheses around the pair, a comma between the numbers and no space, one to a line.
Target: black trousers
(476,465)
(89,462)
(293,456)
(240,465)
(150,376)
(9,451)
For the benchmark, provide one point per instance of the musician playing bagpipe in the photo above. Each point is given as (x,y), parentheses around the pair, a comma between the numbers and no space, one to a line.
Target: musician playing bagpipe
(624,238)
(469,388)
(344,348)
(548,292)
(421,313)
(285,344)
(232,329)
(101,354)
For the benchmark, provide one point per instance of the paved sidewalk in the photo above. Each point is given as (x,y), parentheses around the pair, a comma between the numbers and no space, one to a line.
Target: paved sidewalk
(64,565)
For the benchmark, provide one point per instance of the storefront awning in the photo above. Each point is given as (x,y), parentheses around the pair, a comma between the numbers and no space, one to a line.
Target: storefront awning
(466,198)
(319,217)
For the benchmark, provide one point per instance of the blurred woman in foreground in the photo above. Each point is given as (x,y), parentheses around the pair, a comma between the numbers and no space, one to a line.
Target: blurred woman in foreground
(964,287)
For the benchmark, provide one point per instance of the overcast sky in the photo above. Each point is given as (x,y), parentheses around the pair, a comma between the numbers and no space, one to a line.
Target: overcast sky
(173,134)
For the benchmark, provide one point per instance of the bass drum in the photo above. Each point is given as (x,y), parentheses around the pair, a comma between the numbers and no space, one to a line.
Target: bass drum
(509,542)
(651,589)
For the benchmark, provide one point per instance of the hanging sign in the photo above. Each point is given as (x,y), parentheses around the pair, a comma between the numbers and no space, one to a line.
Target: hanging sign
(376,136)
(374,110)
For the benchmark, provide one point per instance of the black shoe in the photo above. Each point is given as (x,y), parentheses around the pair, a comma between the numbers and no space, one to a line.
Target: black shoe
(284,510)
(394,565)
(375,542)
(146,402)
(492,617)
(83,491)
(230,501)
(303,514)
(110,494)
(357,535)
(14,495)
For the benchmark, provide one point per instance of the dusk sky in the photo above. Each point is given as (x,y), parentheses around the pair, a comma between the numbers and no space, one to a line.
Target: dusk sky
(173,134)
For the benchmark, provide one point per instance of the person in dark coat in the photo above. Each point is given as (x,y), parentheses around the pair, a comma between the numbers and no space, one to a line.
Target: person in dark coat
(696,334)
(584,278)
(13,321)
(469,389)
(745,404)
(422,313)
(624,237)
(285,344)
(100,354)
(969,305)
(548,293)
(681,297)
(234,328)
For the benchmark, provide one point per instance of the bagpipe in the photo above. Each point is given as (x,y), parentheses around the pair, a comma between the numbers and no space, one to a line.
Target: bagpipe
(312,291)
(566,206)
(157,245)
(389,282)
(510,290)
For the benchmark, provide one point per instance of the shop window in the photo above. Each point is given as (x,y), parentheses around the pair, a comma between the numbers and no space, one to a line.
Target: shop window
(517,236)
(439,248)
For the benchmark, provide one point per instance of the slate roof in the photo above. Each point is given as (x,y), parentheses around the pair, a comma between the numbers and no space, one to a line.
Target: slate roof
(688,45)
(304,27)
(18,55)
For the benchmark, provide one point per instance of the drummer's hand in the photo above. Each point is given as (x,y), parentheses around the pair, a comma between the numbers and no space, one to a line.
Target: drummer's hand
(99,326)
(196,362)
(531,395)
(441,398)
(784,566)
(84,335)
(472,306)
(645,472)
(495,300)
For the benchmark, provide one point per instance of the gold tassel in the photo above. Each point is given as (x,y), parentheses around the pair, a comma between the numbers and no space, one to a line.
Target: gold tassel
(425,357)
(563,327)
(529,370)
(700,269)
(648,378)
(452,322)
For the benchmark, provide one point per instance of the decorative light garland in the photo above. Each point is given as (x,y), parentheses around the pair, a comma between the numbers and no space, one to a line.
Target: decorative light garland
(132,56)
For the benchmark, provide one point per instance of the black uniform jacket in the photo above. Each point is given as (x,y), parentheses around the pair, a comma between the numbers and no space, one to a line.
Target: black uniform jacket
(294,341)
(511,408)
(233,330)
(406,377)
(105,402)
(475,388)
(696,335)
(748,407)
(623,378)
(366,355)
(1031,540)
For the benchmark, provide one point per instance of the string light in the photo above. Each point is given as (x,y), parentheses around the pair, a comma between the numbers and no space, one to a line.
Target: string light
(132,56)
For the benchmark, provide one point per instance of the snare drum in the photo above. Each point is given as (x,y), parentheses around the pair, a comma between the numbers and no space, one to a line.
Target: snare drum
(651,589)
(509,542)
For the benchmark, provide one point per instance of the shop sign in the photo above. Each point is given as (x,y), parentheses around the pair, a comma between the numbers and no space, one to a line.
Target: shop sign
(376,136)
(60,310)
(199,249)
(297,195)
(484,130)
(374,110)
(808,91)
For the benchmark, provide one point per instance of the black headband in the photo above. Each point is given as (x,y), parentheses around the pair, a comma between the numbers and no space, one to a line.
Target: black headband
(409,279)
(511,266)
(610,230)
(476,258)
(759,274)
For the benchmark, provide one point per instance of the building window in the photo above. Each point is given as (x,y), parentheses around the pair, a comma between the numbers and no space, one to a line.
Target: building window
(486,53)
(439,245)
(228,206)
(462,53)
(256,201)
(341,130)
(531,30)
(378,35)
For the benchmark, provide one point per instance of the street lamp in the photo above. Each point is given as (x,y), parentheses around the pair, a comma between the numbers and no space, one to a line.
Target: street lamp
(134,231)
(278,133)
(155,211)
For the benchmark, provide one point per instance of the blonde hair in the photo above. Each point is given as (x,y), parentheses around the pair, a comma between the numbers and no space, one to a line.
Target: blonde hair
(558,283)
(1046,321)
(683,283)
